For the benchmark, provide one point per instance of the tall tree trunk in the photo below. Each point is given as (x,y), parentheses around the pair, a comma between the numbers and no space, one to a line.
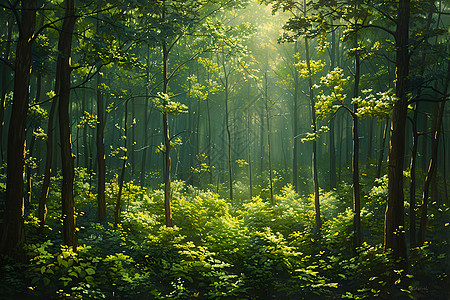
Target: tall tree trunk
(146,119)
(249,155)
(227,127)
(13,233)
(266,97)
(209,142)
(133,139)
(394,225)
(424,141)
(295,125)
(412,186)
(29,169)
(42,211)
(101,160)
(332,146)
(64,48)
(5,83)
(314,128)
(432,169)
(122,173)
(261,140)
(355,159)
(100,142)
(167,165)
(85,132)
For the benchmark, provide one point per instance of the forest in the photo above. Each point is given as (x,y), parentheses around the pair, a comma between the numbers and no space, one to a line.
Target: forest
(224,149)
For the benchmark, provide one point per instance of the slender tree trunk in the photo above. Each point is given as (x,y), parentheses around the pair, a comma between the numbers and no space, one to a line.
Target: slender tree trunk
(432,169)
(424,141)
(355,160)
(261,138)
(167,165)
(85,132)
(266,96)
(64,48)
(13,233)
(412,186)
(227,127)
(209,142)
(101,160)
(122,173)
(394,226)
(133,139)
(295,125)
(5,77)
(314,128)
(29,169)
(42,211)
(100,142)
(332,146)
(249,155)
(146,119)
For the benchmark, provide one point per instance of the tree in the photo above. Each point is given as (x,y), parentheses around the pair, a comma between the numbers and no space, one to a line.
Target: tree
(13,234)
(394,225)
(63,71)
(4,82)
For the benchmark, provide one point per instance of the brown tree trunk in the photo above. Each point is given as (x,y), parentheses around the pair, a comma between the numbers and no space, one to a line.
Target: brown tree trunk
(13,234)
(355,161)
(249,155)
(314,127)
(266,96)
(101,160)
(67,157)
(5,83)
(394,225)
(42,210)
(295,125)
(332,147)
(412,187)
(167,160)
(432,169)
(146,118)
(122,173)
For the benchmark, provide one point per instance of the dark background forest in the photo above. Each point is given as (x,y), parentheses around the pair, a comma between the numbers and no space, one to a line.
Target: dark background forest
(224,149)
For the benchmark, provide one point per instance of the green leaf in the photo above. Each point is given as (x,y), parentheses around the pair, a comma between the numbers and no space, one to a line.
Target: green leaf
(90,271)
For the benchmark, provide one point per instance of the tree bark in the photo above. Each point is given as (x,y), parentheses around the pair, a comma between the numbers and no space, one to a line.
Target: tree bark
(266,98)
(5,75)
(122,173)
(332,147)
(432,169)
(101,160)
(42,210)
(249,155)
(146,118)
(13,233)
(394,225)
(314,128)
(167,160)
(355,160)
(67,157)
(412,186)
(295,125)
